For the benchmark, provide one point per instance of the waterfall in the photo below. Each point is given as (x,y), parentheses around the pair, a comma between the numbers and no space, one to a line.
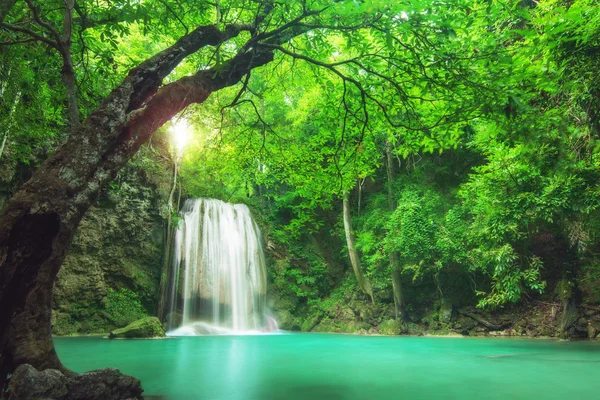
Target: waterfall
(218,276)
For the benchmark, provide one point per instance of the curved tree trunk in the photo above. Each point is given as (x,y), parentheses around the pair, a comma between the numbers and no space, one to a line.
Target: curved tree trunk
(363,282)
(393,256)
(38,223)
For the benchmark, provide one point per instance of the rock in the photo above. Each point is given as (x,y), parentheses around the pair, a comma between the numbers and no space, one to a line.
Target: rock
(464,324)
(415,330)
(390,327)
(445,312)
(104,384)
(592,332)
(357,327)
(27,383)
(144,328)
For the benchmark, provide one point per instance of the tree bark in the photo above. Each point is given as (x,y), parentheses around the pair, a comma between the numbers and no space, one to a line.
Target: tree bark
(363,282)
(393,256)
(38,223)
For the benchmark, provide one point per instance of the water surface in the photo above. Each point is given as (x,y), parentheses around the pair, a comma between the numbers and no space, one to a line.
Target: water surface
(340,367)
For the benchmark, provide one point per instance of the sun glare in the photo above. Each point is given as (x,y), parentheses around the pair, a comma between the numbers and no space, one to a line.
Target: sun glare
(181,134)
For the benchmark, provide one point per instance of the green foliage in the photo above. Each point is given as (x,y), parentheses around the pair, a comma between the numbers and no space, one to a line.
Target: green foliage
(123,306)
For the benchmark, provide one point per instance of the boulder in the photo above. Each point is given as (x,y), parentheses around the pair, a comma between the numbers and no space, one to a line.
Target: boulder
(103,384)
(149,327)
(27,383)
(391,327)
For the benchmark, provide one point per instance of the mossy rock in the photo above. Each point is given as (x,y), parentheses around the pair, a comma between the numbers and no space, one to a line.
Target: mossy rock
(390,327)
(149,327)
(357,327)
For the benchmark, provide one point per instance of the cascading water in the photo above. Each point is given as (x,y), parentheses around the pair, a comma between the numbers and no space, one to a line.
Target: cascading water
(218,278)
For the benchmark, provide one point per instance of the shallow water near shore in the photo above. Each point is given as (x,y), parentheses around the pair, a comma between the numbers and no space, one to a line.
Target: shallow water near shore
(343,367)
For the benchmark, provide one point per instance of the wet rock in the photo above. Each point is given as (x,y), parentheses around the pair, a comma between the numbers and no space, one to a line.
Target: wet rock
(149,327)
(27,383)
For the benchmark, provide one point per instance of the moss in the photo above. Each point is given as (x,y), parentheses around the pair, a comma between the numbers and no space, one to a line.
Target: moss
(144,328)
(123,307)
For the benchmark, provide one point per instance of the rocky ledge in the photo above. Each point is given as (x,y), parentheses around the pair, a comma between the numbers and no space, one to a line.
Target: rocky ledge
(27,383)
(149,327)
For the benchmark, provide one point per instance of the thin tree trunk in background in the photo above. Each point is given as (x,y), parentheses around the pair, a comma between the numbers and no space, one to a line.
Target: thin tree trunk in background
(9,122)
(68,72)
(393,256)
(363,282)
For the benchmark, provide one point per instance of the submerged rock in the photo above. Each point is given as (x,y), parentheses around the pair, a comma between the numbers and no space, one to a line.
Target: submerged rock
(27,383)
(149,327)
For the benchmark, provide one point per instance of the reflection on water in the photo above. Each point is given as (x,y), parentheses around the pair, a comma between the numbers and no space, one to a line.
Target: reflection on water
(337,367)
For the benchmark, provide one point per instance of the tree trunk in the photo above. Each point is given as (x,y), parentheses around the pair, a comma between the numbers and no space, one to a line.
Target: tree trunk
(393,256)
(363,282)
(9,123)
(68,73)
(38,223)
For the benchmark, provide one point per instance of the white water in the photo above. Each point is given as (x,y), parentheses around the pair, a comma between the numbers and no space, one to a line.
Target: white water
(219,269)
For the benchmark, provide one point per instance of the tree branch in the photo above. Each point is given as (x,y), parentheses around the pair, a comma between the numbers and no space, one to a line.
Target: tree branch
(38,19)
(32,34)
